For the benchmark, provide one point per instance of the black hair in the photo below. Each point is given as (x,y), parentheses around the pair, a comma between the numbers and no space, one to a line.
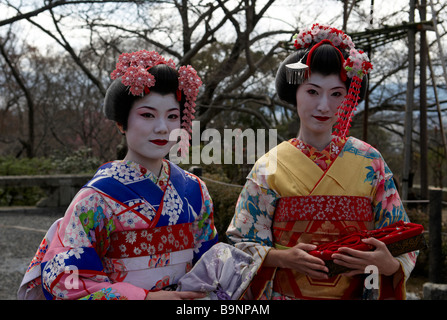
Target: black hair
(325,60)
(119,100)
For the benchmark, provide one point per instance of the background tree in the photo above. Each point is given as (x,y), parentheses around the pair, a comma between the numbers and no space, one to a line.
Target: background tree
(235,45)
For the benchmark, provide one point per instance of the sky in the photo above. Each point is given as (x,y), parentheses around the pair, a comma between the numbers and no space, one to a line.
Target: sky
(283,13)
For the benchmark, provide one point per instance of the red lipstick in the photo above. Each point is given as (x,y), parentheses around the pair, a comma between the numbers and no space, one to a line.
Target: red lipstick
(159,142)
(322,118)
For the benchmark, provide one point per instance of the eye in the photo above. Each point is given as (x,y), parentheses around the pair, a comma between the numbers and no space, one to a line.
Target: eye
(337,94)
(312,91)
(147,115)
(173,116)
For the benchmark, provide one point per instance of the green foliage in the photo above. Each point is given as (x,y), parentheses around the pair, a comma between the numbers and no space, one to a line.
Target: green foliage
(78,162)
(224,202)
(224,192)
(10,166)
(17,196)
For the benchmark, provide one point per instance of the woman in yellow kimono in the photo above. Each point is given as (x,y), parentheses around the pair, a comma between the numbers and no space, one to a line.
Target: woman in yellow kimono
(320,186)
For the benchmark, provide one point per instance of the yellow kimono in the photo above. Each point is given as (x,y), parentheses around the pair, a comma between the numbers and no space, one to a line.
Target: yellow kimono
(289,199)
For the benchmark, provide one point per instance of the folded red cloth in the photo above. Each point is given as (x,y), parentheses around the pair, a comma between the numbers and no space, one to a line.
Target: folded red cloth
(396,232)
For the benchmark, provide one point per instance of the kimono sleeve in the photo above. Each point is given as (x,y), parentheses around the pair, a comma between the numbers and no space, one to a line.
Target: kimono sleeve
(388,209)
(72,268)
(205,232)
(251,227)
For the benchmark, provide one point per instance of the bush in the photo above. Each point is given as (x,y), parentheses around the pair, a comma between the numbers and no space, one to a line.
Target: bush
(77,162)
(10,166)
(224,201)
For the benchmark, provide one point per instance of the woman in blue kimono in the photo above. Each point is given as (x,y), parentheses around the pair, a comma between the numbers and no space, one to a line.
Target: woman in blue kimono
(141,223)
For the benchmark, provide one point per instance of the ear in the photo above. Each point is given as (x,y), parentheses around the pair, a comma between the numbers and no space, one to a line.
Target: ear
(121,128)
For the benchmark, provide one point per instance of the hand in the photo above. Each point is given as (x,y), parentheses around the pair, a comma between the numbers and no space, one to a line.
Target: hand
(174,295)
(358,260)
(298,258)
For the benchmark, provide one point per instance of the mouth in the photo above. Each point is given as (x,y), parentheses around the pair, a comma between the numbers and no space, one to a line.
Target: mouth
(159,142)
(319,118)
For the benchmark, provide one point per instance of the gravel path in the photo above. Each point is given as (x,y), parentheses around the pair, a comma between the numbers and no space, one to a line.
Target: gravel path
(21,232)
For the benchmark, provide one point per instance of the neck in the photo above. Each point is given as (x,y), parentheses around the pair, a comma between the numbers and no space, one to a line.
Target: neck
(317,141)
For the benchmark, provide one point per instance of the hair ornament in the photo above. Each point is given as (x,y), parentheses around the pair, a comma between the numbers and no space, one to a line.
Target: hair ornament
(355,67)
(133,68)
(356,64)
(296,72)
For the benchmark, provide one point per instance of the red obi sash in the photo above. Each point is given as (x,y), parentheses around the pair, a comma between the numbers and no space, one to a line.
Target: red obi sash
(323,208)
(318,220)
(144,242)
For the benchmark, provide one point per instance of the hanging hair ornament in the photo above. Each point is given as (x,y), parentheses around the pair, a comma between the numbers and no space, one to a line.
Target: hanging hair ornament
(133,68)
(355,67)
(296,72)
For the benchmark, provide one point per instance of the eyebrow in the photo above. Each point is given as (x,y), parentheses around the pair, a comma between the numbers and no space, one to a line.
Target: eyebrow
(316,85)
(154,109)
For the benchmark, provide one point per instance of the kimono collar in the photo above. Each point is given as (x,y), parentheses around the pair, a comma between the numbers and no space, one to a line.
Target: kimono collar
(127,171)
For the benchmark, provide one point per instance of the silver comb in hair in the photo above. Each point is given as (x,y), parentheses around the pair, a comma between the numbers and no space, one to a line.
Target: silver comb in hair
(296,72)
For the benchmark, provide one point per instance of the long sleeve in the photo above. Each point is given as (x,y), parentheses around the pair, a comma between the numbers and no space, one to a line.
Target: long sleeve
(205,232)
(72,267)
(251,227)
(388,209)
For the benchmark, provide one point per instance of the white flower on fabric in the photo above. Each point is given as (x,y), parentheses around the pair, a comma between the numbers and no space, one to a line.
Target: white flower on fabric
(131,237)
(129,221)
(61,294)
(151,249)
(76,252)
(171,237)
(265,202)
(252,188)
(245,221)
(263,226)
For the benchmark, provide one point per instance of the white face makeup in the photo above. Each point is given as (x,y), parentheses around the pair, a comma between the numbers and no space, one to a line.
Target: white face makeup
(317,101)
(151,120)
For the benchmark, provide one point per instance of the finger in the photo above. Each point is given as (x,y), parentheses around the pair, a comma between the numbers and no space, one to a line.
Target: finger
(191,295)
(374,242)
(351,262)
(317,267)
(306,246)
(353,253)
(314,272)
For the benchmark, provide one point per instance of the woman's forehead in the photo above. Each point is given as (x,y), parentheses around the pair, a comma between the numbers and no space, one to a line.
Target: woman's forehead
(159,102)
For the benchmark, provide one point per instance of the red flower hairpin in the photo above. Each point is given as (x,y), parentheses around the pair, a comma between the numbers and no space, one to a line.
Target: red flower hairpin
(133,68)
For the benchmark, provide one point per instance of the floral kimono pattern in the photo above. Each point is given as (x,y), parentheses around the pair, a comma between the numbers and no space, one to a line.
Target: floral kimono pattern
(126,232)
(297,194)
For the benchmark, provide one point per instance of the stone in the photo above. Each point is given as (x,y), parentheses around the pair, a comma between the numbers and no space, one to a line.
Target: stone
(435,291)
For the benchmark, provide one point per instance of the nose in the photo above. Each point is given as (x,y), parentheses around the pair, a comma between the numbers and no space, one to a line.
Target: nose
(323,104)
(161,127)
